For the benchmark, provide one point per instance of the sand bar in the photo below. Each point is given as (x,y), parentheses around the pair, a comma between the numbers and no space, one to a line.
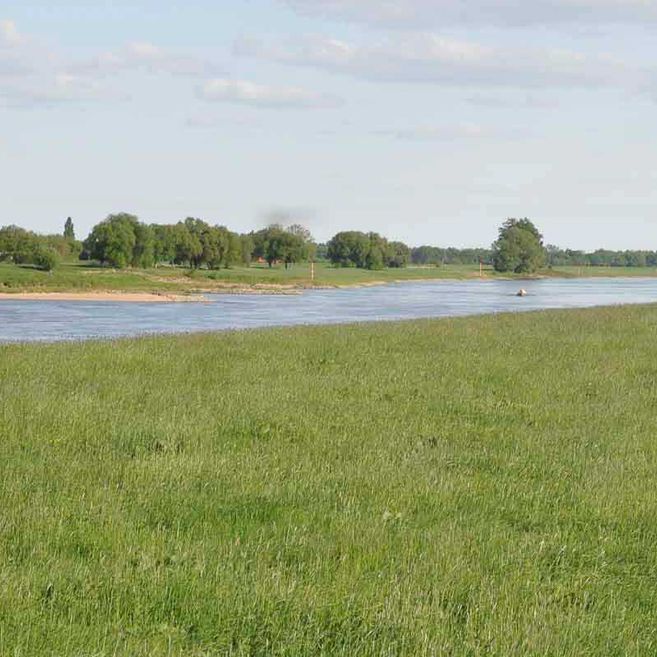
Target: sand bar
(123,297)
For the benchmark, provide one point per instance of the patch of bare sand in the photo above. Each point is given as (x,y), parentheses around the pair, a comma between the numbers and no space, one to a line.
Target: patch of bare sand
(123,297)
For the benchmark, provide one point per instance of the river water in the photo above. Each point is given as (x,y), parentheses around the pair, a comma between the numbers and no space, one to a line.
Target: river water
(29,321)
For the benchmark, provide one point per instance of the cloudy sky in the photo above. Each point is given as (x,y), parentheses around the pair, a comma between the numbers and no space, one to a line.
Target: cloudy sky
(429,121)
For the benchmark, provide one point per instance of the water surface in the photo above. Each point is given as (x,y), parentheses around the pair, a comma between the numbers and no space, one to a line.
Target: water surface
(27,321)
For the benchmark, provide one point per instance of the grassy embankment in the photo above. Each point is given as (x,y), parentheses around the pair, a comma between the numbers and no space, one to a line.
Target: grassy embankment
(80,277)
(481,486)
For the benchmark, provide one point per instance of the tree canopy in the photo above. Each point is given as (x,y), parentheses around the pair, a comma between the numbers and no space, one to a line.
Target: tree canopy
(122,240)
(114,240)
(287,245)
(25,247)
(366,251)
(519,247)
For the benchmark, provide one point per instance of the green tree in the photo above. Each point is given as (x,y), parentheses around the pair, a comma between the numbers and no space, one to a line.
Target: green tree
(519,247)
(366,251)
(25,247)
(164,243)
(189,247)
(399,255)
(113,240)
(348,249)
(45,257)
(287,245)
(69,230)
(234,253)
(309,247)
(268,244)
(377,252)
(215,244)
(59,243)
(143,251)
(247,247)
(16,244)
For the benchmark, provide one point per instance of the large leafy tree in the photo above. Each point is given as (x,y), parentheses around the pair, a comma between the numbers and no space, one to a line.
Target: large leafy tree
(16,244)
(143,252)
(196,243)
(399,254)
(164,243)
(276,244)
(309,249)
(25,247)
(366,251)
(189,247)
(113,240)
(348,249)
(519,247)
(216,245)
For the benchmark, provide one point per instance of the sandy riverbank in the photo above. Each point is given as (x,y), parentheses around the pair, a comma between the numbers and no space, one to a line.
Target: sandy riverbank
(123,297)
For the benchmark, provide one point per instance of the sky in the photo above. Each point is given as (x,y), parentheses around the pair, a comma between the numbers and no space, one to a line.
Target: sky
(429,121)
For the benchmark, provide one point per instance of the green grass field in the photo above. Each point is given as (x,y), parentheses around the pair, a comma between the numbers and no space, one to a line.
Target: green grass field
(480,486)
(82,277)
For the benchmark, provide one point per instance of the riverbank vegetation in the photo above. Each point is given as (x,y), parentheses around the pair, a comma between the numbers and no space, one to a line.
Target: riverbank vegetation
(88,277)
(462,487)
(122,253)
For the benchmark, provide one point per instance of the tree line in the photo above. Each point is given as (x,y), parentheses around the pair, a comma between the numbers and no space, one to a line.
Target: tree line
(519,248)
(366,251)
(43,251)
(122,240)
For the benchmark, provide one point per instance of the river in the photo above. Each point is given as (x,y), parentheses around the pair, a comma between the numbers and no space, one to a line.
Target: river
(30,321)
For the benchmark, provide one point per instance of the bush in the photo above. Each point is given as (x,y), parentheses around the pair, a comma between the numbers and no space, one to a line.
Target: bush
(45,258)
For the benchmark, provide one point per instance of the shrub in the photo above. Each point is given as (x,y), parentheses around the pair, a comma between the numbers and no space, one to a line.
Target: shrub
(45,258)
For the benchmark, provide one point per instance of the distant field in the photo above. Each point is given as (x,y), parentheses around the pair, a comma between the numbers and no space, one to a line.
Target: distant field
(482,486)
(83,277)
(600,272)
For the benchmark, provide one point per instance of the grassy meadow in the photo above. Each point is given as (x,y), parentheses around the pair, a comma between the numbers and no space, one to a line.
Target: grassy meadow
(479,486)
(84,277)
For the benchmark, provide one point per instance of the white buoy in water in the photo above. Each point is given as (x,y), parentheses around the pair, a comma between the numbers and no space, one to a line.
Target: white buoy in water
(522,293)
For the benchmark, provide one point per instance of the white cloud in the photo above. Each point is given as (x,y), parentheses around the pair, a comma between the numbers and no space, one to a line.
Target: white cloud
(436,133)
(33,75)
(143,55)
(249,93)
(9,34)
(425,13)
(525,101)
(206,121)
(55,89)
(427,58)
(12,56)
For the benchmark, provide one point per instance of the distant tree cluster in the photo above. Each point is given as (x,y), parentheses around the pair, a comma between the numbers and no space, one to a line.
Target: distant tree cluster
(122,240)
(366,251)
(557,257)
(287,245)
(434,255)
(42,251)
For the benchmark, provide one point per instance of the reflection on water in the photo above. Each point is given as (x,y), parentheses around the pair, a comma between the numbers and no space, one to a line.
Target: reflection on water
(70,320)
